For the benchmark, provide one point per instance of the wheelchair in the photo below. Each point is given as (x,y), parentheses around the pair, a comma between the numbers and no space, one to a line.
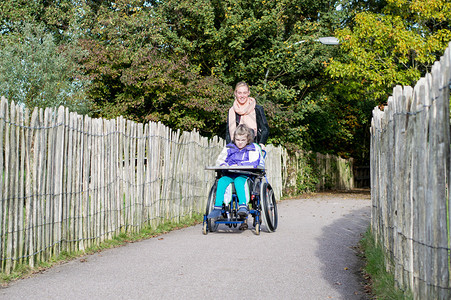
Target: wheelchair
(262,204)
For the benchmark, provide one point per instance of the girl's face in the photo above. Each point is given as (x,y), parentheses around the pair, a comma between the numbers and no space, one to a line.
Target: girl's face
(241,94)
(241,141)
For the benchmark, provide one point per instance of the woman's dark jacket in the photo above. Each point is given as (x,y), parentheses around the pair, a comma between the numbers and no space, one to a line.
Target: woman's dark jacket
(262,126)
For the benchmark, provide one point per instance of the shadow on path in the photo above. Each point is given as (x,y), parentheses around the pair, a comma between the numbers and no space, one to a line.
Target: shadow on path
(342,272)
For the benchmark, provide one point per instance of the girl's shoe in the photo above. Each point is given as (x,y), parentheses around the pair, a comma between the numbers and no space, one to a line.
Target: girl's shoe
(242,212)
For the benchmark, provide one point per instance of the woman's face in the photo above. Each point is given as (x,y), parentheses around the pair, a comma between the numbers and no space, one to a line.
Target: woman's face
(241,141)
(241,94)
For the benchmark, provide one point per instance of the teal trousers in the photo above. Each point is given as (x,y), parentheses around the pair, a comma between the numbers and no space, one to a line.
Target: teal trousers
(241,187)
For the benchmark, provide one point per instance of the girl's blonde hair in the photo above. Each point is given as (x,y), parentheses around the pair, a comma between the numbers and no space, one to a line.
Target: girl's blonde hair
(244,130)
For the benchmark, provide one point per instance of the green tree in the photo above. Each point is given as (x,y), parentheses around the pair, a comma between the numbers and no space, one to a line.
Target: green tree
(383,47)
(132,73)
(396,47)
(57,16)
(36,72)
(259,42)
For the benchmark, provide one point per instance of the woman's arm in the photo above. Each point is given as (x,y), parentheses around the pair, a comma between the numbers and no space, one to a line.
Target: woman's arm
(227,135)
(262,125)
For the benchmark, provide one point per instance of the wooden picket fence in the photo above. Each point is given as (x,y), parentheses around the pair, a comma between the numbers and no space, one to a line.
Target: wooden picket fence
(410,155)
(70,182)
(313,171)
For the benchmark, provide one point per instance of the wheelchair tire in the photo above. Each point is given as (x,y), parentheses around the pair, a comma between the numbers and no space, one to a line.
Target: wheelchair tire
(257,229)
(269,207)
(212,226)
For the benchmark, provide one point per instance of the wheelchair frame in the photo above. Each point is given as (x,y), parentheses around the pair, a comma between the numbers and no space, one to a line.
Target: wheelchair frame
(263,202)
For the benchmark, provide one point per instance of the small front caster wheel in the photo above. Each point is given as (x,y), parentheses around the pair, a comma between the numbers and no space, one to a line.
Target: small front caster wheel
(257,229)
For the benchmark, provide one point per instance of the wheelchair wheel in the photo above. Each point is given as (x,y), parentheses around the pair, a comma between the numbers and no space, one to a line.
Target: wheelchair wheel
(212,226)
(257,229)
(269,207)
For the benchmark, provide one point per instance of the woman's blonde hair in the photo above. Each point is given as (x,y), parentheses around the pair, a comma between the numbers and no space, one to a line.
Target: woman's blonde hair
(242,83)
(244,130)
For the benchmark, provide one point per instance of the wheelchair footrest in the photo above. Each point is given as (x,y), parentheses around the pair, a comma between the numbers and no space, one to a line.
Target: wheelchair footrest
(229,221)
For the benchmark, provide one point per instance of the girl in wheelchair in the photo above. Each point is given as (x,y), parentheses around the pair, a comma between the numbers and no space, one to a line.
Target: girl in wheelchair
(241,152)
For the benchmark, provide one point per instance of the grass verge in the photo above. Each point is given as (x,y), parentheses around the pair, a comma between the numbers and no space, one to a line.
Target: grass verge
(24,270)
(380,283)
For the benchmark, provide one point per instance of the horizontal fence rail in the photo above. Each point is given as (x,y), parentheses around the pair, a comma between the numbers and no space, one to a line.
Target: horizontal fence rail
(410,155)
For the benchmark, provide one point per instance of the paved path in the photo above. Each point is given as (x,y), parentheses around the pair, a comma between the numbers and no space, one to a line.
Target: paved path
(310,256)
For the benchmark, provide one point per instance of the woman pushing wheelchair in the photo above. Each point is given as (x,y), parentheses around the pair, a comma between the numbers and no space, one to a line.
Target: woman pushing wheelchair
(241,164)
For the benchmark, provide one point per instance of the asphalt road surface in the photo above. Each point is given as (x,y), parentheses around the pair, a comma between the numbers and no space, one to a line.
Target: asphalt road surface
(311,256)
